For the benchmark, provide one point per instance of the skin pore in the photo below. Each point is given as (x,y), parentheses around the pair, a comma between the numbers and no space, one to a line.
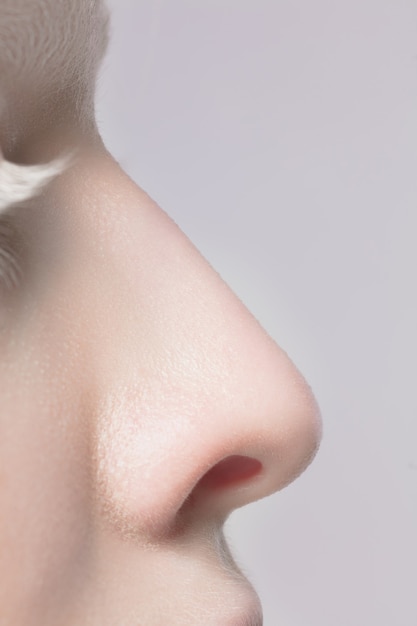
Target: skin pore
(141,403)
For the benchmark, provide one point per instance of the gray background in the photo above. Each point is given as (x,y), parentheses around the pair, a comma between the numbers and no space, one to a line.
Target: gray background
(281,137)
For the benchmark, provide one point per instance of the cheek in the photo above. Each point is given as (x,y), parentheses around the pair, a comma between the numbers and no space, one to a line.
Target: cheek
(45,511)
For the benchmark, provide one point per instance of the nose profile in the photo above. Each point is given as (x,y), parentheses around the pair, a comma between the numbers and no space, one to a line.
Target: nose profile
(198,410)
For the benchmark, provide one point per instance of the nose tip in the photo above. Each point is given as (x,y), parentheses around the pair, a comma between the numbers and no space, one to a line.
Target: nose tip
(264,438)
(292,427)
(268,437)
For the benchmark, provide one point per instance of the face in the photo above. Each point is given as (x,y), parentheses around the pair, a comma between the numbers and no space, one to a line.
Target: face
(141,403)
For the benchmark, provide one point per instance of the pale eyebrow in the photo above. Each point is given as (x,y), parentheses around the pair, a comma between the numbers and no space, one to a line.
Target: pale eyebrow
(49,48)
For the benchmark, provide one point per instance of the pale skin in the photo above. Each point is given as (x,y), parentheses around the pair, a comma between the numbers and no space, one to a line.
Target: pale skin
(141,403)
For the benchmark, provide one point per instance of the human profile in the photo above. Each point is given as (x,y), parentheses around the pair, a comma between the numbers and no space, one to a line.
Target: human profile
(140,401)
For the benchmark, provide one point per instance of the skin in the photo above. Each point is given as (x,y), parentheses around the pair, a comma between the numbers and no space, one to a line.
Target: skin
(141,403)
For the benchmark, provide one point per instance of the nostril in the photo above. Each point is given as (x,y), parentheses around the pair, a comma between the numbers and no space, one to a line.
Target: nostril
(231,471)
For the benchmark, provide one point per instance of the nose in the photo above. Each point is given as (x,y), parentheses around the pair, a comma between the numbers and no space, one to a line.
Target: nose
(198,410)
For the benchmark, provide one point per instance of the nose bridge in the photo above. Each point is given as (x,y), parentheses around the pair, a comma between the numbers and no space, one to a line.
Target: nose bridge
(196,389)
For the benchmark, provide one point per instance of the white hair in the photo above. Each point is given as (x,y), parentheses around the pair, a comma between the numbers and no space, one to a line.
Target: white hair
(50,53)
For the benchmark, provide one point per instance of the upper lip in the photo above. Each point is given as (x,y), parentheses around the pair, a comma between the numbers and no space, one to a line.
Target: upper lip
(246,598)
(252,614)
(252,620)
